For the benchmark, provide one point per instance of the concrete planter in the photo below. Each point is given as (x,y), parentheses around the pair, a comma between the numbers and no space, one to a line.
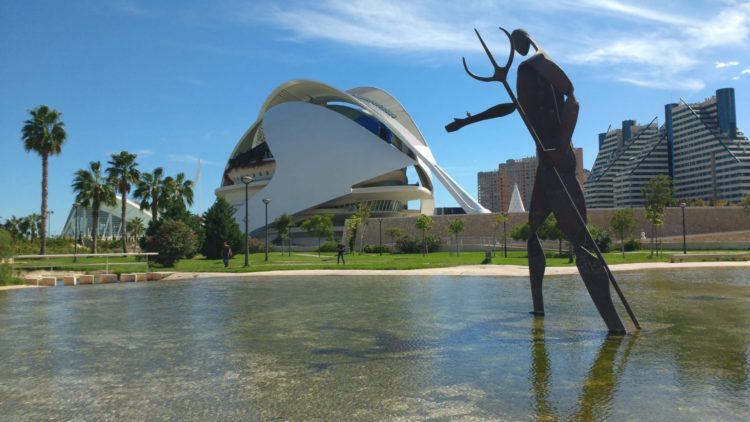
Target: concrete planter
(107,278)
(127,278)
(86,279)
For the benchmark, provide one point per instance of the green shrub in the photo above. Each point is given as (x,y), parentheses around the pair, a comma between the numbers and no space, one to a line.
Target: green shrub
(632,244)
(376,249)
(329,247)
(6,244)
(6,275)
(173,241)
(408,245)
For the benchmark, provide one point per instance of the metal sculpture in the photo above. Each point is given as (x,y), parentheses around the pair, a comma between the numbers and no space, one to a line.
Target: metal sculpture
(549,110)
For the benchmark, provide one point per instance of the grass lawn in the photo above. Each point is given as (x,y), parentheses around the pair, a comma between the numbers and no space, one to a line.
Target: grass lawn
(310,260)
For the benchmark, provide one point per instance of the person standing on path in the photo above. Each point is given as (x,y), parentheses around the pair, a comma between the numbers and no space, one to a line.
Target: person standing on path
(340,254)
(226,253)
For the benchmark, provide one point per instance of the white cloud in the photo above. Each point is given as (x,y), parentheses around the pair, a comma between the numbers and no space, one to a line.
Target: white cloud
(735,78)
(721,65)
(145,152)
(745,71)
(634,42)
(401,26)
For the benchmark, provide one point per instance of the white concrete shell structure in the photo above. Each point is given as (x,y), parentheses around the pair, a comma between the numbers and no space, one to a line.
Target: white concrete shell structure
(109,220)
(315,149)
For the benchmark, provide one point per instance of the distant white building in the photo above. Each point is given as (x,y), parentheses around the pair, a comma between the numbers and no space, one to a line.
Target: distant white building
(317,150)
(110,220)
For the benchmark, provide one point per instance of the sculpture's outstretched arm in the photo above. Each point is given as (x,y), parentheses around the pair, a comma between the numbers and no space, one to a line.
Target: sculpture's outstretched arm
(499,110)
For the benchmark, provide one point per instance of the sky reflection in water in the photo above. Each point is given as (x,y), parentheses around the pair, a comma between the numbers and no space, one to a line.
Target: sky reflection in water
(374,348)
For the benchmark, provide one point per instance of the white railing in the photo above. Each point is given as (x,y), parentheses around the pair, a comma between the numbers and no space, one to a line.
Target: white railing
(106,263)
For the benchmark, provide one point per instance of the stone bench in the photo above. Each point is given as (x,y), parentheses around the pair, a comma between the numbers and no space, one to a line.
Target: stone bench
(107,278)
(70,280)
(698,257)
(141,277)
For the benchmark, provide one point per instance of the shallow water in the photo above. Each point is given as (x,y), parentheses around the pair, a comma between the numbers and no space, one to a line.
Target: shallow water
(376,348)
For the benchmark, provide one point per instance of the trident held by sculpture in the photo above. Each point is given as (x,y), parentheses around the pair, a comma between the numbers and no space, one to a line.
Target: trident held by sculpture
(549,109)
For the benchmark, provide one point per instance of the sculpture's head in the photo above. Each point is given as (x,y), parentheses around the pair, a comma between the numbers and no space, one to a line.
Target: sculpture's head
(521,41)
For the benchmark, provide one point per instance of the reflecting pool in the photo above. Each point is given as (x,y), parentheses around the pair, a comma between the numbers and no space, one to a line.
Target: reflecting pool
(376,348)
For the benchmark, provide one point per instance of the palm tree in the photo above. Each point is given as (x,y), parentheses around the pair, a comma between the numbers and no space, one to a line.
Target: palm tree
(44,134)
(13,225)
(183,189)
(92,190)
(152,190)
(123,172)
(136,228)
(32,225)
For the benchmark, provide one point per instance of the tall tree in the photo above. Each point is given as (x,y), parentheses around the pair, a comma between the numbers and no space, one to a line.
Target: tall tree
(394,233)
(424,224)
(363,212)
(33,225)
(44,133)
(152,191)
(622,222)
(13,225)
(500,220)
(319,225)
(93,190)
(123,173)
(657,194)
(220,226)
(456,227)
(284,224)
(137,228)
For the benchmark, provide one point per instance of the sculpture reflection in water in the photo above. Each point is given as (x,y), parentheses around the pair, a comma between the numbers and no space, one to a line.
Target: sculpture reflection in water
(599,386)
(548,107)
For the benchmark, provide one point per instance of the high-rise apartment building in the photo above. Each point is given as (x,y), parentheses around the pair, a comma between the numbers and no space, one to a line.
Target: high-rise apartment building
(489,192)
(699,147)
(496,187)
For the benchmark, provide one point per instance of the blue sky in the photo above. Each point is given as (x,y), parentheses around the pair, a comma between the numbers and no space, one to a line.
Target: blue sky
(178,81)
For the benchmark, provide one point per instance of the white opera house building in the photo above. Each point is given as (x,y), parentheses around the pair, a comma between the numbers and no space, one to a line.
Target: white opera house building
(317,150)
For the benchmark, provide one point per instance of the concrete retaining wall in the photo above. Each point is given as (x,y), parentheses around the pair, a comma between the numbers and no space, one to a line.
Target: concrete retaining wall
(698,220)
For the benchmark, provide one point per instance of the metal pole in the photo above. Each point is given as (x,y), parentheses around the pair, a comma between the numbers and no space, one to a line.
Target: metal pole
(505,238)
(266,201)
(75,237)
(246,180)
(381,236)
(49,223)
(684,236)
(247,245)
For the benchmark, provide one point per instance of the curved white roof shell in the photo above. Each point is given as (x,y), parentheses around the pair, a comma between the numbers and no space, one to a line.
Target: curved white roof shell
(322,154)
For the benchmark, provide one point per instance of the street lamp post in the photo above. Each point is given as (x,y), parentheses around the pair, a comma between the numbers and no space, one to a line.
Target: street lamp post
(75,237)
(684,236)
(381,236)
(505,237)
(266,201)
(49,223)
(246,180)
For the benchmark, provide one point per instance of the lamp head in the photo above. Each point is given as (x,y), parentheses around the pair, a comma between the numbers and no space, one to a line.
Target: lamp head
(266,201)
(246,179)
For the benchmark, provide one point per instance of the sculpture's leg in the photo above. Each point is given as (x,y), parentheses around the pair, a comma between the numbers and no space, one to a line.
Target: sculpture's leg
(592,270)
(597,283)
(538,212)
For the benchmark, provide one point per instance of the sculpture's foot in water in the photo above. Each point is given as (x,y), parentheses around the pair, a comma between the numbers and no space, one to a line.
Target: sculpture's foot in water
(537,313)
(617,332)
